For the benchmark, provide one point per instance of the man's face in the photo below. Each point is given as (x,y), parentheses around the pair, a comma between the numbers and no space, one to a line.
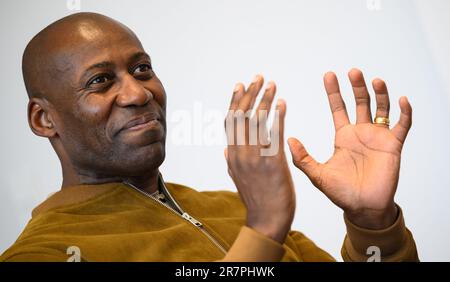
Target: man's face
(110,106)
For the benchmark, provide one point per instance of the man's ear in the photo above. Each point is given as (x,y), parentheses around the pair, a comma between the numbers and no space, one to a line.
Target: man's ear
(40,118)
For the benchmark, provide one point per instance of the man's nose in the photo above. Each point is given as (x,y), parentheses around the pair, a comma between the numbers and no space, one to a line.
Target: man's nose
(132,93)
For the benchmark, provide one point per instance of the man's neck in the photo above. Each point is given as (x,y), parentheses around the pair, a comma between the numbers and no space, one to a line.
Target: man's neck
(147,182)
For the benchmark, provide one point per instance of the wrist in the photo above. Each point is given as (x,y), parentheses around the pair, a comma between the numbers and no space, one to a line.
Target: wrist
(374,219)
(276,231)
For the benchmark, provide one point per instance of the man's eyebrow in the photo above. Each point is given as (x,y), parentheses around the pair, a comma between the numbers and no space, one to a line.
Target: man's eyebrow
(139,55)
(104,64)
(99,65)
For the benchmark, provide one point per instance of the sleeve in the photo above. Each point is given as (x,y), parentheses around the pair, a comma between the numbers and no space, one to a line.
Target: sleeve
(394,243)
(252,246)
(306,249)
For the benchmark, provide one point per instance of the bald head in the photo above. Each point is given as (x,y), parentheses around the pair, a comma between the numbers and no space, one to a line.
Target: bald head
(48,55)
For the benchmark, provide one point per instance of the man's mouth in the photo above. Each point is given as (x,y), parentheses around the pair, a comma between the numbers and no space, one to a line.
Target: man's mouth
(144,121)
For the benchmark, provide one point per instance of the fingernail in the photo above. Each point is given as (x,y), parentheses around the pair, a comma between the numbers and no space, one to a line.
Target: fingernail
(270,85)
(237,88)
(255,79)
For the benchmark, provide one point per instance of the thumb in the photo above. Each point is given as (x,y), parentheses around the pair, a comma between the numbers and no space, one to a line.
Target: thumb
(303,160)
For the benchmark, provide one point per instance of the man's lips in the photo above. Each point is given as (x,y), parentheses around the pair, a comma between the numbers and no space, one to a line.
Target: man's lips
(140,122)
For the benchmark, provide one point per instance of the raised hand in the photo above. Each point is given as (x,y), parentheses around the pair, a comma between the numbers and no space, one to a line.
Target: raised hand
(362,175)
(263,181)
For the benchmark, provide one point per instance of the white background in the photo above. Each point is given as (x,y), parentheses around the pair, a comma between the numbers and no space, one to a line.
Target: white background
(201,48)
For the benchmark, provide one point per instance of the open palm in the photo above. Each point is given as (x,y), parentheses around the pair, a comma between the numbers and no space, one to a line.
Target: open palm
(362,175)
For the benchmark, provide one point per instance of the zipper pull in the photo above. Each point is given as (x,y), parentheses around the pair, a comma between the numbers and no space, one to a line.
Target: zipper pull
(191,219)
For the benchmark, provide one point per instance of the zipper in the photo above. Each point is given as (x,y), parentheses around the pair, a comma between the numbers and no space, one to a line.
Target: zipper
(180,213)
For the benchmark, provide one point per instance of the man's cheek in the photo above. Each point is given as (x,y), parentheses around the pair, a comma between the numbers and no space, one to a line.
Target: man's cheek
(94,110)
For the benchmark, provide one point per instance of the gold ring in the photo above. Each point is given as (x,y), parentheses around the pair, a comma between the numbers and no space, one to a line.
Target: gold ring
(381,120)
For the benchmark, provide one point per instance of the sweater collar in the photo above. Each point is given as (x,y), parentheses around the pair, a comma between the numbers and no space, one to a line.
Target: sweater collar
(77,194)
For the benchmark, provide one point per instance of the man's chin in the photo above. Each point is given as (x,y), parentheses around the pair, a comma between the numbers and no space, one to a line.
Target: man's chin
(150,156)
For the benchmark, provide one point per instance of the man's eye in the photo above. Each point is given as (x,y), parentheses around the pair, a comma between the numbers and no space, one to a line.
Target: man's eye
(98,80)
(142,68)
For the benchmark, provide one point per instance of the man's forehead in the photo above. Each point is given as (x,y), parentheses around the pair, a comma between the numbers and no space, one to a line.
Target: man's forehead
(103,48)
(89,45)
(88,31)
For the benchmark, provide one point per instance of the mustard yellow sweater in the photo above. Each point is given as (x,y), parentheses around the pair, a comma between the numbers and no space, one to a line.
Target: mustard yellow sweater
(113,222)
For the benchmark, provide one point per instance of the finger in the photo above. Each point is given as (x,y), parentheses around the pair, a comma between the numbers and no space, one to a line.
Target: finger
(362,98)
(337,105)
(237,95)
(382,97)
(262,113)
(246,105)
(241,125)
(277,131)
(230,128)
(303,160)
(267,99)
(402,127)
(229,122)
(247,101)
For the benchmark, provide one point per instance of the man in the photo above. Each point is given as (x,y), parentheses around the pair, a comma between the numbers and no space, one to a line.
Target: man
(94,95)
